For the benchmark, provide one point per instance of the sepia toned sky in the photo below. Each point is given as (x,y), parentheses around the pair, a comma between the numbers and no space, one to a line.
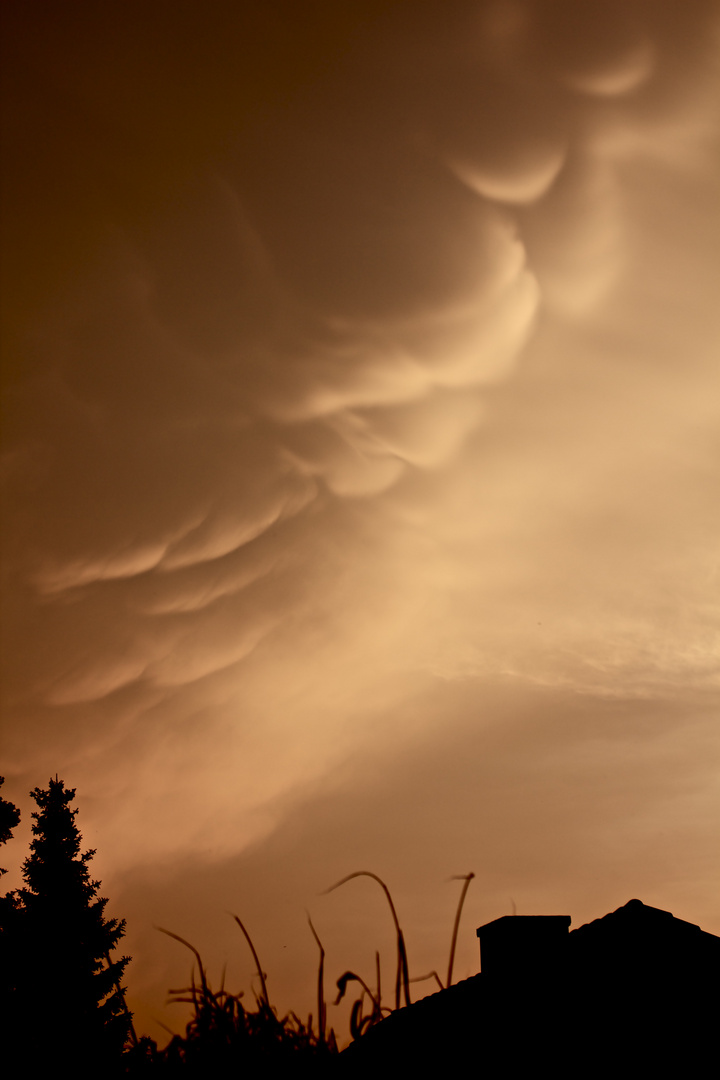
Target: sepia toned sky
(361,466)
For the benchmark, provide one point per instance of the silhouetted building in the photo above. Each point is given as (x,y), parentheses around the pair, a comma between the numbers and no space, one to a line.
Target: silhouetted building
(636,993)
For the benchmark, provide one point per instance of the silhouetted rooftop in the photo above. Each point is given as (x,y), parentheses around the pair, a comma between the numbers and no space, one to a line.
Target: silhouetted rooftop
(637,986)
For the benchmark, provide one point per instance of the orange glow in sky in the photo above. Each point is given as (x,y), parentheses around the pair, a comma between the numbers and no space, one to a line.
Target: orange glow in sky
(361,395)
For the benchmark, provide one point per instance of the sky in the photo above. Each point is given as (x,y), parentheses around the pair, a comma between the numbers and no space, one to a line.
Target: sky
(360,459)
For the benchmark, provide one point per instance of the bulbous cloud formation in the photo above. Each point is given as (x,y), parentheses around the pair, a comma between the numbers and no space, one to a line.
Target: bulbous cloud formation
(275,268)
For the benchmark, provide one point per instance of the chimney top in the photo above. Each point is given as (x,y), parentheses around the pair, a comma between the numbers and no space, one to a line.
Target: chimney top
(515,944)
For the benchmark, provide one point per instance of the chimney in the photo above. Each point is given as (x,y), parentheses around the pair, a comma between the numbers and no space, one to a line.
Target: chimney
(527,946)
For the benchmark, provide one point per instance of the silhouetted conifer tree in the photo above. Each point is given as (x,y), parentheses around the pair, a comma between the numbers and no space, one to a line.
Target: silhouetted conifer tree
(68,1005)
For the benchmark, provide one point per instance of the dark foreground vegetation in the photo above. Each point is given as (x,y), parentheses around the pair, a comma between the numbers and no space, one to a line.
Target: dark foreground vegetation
(62,1001)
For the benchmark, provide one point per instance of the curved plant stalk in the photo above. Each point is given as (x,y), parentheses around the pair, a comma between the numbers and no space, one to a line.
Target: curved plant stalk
(263,985)
(402,977)
(430,975)
(358,1022)
(203,978)
(467,878)
(322,1011)
(350,976)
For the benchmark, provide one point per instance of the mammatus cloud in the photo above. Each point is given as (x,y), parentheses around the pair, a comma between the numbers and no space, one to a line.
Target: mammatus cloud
(414,375)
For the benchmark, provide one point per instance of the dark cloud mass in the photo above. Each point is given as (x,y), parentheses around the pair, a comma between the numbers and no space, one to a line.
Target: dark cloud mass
(360,456)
